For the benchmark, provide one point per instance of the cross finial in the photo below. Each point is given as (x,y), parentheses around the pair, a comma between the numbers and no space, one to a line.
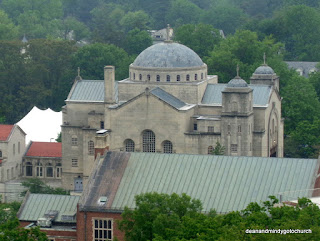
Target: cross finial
(168,32)
(237,70)
(264,58)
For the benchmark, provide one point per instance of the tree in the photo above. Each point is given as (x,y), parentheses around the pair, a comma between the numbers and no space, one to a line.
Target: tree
(133,20)
(201,38)
(137,41)
(92,59)
(35,185)
(8,31)
(219,149)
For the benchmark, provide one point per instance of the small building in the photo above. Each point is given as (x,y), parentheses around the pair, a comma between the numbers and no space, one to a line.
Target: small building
(55,214)
(43,160)
(223,183)
(303,68)
(12,148)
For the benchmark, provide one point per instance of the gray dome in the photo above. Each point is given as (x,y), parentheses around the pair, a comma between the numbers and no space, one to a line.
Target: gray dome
(168,55)
(237,82)
(264,69)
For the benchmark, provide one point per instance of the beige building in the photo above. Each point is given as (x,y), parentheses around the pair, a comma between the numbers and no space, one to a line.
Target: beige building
(169,104)
(12,147)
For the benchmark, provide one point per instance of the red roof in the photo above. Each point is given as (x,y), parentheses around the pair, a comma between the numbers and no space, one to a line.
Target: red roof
(45,149)
(5,131)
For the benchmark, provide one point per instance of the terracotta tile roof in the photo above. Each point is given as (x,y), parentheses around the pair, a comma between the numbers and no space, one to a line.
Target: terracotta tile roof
(45,149)
(5,131)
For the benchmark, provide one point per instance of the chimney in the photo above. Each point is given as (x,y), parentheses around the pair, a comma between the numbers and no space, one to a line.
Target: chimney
(109,82)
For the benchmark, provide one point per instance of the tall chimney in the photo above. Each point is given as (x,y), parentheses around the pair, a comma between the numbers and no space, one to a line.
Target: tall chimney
(109,83)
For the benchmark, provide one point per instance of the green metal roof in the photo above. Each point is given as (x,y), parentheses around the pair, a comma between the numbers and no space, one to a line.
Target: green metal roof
(224,183)
(36,205)
(213,94)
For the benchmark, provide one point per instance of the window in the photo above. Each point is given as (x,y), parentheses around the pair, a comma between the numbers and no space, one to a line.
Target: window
(0,153)
(158,78)
(74,162)
(239,128)
(49,172)
(29,169)
(134,76)
(188,77)
(140,76)
(148,76)
(210,128)
(234,148)
(178,77)
(14,149)
(39,169)
(168,78)
(74,141)
(19,147)
(129,144)
(210,150)
(229,129)
(167,147)
(195,127)
(195,77)
(101,124)
(91,147)
(201,75)
(148,141)
(102,229)
(58,170)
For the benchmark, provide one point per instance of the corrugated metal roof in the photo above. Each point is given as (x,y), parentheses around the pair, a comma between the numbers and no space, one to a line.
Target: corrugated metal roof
(224,183)
(91,90)
(213,94)
(36,205)
(168,98)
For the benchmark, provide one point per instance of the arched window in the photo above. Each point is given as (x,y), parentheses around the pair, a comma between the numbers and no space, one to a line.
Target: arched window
(140,76)
(168,78)
(210,150)
(148,141)
(29,168)
(148,76)
(134,76)
(178,77)
(129,144)
(201,75)
(0,153)
(167,147)
(158,78)
(39,169)
(195,77)
(91,147)
(49,172)
(188,77)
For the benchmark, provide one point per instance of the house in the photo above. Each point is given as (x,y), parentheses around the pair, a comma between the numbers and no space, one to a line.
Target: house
(12,148)
(43,160)
(55,214)
(169,104)
(223,183)
(303,68)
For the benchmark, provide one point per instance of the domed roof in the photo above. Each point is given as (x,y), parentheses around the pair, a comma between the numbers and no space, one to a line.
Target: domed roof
(168,55)
(264,69)
(237,82)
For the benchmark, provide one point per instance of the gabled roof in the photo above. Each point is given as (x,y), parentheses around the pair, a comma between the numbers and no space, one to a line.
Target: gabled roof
(36,205)
(168,98)
(89,91)
(303,65)
(44,149)
(5,131)
(224,183)
(213,94)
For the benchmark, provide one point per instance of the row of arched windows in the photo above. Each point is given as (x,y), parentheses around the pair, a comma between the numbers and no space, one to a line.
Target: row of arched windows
(168,77)
(148,143)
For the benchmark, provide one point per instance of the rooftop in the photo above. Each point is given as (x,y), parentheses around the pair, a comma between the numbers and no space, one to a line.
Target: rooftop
(5,131)
(44,149)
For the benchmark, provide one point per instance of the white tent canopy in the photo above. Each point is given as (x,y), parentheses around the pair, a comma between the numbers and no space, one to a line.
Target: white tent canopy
(41,125)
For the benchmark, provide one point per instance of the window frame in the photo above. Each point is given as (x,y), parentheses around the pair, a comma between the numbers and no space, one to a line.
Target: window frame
(102,224)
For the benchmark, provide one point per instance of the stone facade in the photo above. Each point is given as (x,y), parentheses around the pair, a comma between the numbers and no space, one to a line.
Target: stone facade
(159,109)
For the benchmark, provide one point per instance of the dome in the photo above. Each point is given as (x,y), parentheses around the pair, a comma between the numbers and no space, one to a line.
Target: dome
(237,82)
(168,55)
(264,69)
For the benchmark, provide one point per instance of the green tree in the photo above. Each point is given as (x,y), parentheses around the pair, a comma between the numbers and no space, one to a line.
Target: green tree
(35,185)
(8,31)
(92,59)
(133,20)
(219,149)
(137,41)
(70,27)
(199,37)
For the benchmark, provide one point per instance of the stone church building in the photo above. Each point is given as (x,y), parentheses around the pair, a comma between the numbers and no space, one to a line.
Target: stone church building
(169,104)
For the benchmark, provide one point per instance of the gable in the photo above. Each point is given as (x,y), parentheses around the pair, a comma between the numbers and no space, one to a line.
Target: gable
(5,131)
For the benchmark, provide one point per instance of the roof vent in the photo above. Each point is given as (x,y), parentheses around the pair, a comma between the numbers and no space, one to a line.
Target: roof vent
(103,200)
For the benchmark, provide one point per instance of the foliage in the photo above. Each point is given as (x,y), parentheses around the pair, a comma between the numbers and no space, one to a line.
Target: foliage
(219,149)
(59,138)
(8,31)
(201,38)
(137,41)
(35,185)
(155,219)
